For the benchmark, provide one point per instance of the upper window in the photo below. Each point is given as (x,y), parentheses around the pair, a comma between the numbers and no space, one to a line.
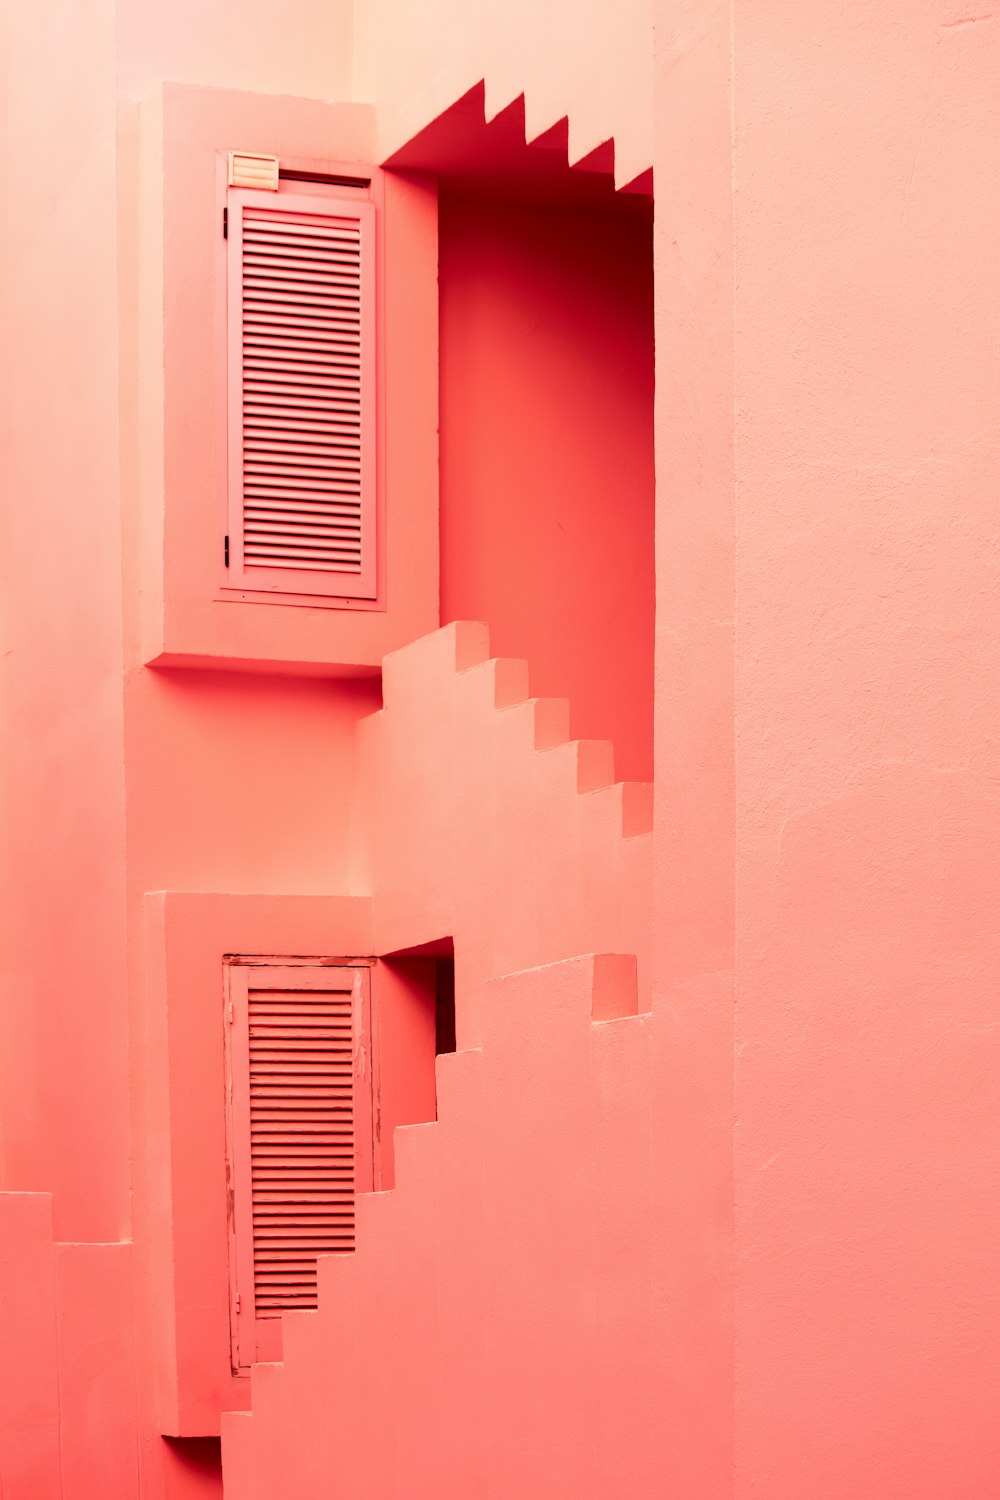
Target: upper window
(285,419)
(302,485)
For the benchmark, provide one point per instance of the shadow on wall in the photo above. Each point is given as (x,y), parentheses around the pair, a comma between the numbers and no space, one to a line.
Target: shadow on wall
(546,361)
(194,1462)
(547,452)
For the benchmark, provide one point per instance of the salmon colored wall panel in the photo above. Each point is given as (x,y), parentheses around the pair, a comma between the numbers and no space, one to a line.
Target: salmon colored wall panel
(242,782)
(237,1451)
(628,1415)
(536,1061)
(303,51)
(547,452)
(63,1038)
(422,1421)
(374,1348)
(463,1332)
(29,1371)
(741,1246)
(342,1401)
(868,450)
(694,920)
(97,1371)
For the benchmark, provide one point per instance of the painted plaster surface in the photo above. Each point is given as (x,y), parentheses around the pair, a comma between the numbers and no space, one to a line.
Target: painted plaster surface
(868,450)
(257,47)
(706,1202)
(591,64)
(844,526)
(63,1064)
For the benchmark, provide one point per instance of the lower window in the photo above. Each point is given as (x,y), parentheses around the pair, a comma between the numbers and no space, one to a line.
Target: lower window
(299,1134)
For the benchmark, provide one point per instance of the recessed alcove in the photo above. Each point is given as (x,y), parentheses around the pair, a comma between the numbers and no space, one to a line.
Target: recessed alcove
(546,401)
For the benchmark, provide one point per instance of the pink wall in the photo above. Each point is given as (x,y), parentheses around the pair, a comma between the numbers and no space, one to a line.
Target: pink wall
(240,782)
(302,48)
(592,63)
(63,1033)
(842,472)
(229,786)
(694,934)
(492,828)
(546,451)
(868,449)
(763,1264)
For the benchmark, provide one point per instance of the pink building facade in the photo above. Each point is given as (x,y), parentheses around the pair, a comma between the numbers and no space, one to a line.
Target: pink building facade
(499,654)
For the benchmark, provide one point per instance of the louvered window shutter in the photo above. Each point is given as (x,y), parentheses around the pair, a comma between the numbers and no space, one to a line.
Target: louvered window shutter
(302,395)
(300,1136)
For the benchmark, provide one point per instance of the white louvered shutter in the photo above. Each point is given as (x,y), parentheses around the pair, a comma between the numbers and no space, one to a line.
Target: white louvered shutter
(301,314)
(299,1085)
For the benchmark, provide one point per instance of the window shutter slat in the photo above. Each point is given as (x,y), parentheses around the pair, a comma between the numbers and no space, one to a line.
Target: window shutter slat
(302,395)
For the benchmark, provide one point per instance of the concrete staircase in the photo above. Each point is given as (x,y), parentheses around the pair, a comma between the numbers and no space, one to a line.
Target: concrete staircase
(491,826)
(490,1336)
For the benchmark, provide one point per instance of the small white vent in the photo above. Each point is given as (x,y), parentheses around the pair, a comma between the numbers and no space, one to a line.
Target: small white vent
(249,170)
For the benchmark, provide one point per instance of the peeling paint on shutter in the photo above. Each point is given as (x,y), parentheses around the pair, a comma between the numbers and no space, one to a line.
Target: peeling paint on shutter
(300,1135)
(302,395)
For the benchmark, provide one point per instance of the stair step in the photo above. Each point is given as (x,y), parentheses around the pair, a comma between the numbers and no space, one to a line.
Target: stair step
(499,682)
(637,808)
(372,1213)
(590,764)
(614,992)
(267,1397)
(335,1286)
(453,648)
(542,722)
(414,1147)
(459,1085)
(494,827)
(631,803)
(237,1453)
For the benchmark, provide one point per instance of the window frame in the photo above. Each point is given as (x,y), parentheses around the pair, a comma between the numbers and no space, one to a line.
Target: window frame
(349,589)
(176,499)
(256,1338)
